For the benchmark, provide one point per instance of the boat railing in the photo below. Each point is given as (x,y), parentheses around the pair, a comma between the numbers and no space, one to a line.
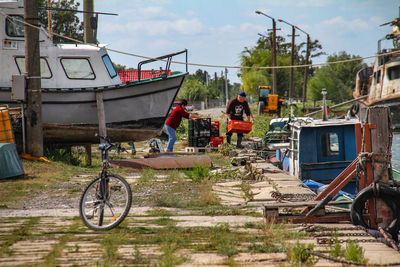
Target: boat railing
(163,73)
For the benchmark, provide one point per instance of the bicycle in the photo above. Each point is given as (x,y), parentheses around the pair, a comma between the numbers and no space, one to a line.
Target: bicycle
(107,199)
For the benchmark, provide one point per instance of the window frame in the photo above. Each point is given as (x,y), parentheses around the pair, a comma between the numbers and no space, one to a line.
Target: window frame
(9,21)
(85,58)
(45,60)
(326,145)
(107,56)
(389,72)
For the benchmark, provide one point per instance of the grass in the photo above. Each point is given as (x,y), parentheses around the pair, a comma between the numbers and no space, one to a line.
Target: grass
(23,232)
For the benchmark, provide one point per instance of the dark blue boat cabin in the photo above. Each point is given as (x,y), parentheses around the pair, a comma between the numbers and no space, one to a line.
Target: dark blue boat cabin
(320,150)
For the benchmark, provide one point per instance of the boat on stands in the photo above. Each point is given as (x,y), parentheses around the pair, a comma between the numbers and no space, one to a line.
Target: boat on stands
(72,75)
(380,83)
(319,150)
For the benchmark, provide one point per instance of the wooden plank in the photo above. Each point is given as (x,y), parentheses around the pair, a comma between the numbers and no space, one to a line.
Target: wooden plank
(303,203)
(327,218)
(101,114)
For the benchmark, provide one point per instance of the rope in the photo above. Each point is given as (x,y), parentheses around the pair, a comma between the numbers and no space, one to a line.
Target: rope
(198,64)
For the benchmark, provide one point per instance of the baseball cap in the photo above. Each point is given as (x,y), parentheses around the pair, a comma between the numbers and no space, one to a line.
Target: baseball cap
(242,94)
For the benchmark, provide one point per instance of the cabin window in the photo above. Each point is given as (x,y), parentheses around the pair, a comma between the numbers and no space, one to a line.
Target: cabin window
(394,72)
(14,28)
(45,72)
(378,76)
(109,65)
(78,68)
(330,144)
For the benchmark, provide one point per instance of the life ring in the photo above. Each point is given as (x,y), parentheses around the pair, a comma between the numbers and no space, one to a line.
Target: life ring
(387,195)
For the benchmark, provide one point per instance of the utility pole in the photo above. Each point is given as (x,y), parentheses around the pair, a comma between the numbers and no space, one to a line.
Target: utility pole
(291,78)
(33,84)
(49,20)
(292,63)
(274,89)
(88,7)
(306,69)
(273,51)
(226,86)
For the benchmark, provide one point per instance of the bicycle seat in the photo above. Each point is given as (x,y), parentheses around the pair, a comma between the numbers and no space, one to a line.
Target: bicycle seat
(105,146)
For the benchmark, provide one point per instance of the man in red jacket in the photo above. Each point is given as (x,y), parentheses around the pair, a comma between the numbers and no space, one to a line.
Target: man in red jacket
(174,121)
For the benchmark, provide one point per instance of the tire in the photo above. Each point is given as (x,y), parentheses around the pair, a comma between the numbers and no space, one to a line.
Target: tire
(98,214)
(261,106)
(388,195)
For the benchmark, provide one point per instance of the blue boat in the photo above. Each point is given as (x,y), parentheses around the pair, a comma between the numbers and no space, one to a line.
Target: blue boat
(320,150)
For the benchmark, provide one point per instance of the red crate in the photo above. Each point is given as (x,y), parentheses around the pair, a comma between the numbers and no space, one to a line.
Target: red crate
(216,140)
(239,126)
(215,125)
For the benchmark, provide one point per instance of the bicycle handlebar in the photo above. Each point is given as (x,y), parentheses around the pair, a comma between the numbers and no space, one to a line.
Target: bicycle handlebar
(105,138)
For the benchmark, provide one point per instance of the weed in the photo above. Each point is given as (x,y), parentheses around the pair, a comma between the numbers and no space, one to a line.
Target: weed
(110,244)
(247,194)
(354,252)
(335,249)
(174,176)
(159,212)
(19,234)
(198,173)
(260,126)
(148,176)
(298,255)
(169,259)
(164,221)
(138,256)
(206,195)
(225,149)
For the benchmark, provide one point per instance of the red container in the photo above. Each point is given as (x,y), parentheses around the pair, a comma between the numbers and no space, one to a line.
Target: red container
(239,126)
(216,140)
(215,125)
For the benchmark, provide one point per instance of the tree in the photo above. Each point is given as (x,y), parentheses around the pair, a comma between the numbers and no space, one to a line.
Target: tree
(338,79)
(260,55)
(65,23)
(192,90)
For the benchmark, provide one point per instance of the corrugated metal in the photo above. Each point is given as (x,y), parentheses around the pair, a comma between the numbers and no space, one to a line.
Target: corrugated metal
(132,75)
(10,164)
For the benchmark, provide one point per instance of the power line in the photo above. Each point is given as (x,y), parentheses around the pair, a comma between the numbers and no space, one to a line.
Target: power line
(198,64)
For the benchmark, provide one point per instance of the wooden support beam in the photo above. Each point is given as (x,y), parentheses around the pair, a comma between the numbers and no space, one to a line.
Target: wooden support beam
(101,114)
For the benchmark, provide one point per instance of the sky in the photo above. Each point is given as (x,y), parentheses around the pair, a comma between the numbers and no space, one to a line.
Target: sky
(216,31)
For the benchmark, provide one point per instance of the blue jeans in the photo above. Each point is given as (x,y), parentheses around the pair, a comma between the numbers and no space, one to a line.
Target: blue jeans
(172,138)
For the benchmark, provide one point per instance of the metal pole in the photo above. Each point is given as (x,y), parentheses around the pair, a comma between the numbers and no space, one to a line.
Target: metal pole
(292,63)
(324,113)
(33,84)
(273,51)
(226,86)
(49,21)
(274,88)
(306,70)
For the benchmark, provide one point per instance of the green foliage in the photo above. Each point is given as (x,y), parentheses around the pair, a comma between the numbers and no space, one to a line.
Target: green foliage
(198,173)
(192,89)
(354,252)
(64,155)
(260,56)
(148,177)
(260,126)
(65,23)
(338,79)
(182,130)
(298,255)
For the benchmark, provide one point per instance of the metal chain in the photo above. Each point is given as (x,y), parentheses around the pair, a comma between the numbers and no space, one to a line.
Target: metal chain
(322,255)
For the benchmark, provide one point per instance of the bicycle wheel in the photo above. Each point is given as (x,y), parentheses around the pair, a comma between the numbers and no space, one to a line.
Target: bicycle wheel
(105,203)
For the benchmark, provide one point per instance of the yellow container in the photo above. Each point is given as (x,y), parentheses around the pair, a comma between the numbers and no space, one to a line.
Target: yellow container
(6,133)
